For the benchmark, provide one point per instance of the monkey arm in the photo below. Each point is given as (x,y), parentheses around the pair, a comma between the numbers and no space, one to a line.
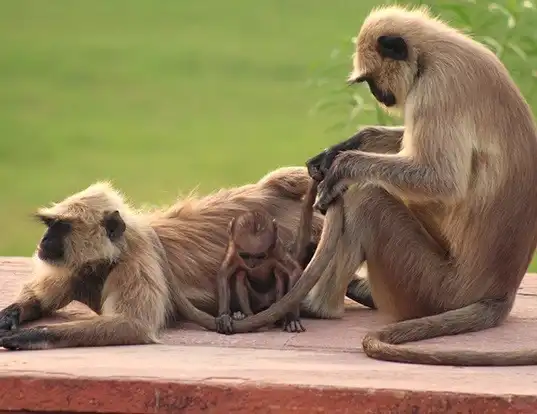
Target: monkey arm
(377,139)
(49,290)
(229,266)
(227,269)
(242,290)
(442,179)
(134,310)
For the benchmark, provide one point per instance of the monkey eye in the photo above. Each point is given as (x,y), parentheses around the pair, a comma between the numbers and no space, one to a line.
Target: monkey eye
(50,222)
(46,220)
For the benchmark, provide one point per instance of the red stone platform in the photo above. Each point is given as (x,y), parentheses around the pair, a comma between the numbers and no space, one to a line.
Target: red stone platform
(322,370)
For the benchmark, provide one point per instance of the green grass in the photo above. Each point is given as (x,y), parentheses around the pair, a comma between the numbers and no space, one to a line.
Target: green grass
(159,96)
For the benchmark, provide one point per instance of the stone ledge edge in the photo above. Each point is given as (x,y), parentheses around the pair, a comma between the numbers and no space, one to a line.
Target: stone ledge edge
(84,395)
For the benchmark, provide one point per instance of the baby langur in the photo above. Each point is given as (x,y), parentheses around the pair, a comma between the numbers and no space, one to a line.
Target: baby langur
(261,267)
(444,208)
(142,271)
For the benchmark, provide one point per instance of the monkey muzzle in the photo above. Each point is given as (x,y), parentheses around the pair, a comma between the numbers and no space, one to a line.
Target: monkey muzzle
(385,97)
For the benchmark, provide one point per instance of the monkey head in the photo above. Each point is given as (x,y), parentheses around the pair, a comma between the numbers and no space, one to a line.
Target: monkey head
(254,234)
(85,227)
(386,54)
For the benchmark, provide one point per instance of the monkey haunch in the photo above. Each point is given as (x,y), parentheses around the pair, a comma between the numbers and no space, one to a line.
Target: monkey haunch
(262,268)
(444,209)
(139,271)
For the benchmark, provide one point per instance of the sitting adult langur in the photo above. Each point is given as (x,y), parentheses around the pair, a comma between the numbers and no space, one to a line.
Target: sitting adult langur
(139,271)
(444,209)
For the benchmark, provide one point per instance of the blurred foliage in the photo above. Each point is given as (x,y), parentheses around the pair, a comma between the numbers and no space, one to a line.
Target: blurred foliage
(506,27)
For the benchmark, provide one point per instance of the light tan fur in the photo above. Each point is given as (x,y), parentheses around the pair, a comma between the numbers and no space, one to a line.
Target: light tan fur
(163,258)
(448,223)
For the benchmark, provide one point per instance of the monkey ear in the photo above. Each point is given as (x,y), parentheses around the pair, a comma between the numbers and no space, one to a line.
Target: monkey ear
(274,232)
(393,47)
(231,226)
(114,225)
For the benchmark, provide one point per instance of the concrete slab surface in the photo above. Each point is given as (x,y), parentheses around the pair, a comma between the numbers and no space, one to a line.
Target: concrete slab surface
(322,370)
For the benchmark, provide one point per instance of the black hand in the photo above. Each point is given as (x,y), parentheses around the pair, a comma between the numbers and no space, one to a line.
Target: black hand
(314,166)
(224,324)
(10,317)
(321,163)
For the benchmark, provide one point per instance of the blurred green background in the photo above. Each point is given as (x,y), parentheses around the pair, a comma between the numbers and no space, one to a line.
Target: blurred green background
(162,97)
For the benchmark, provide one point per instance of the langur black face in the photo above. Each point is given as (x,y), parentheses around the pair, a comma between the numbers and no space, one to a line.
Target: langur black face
(384,97)
(73,242)
(384,60)
(52,246)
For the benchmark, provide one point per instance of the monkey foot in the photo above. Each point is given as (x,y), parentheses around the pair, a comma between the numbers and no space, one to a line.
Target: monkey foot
(26,339)
(10,318)
(293,324)
(238,316)
(224,324)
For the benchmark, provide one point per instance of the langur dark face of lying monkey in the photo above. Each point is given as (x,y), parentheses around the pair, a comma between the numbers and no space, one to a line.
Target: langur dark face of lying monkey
(74,237)
(51,248)
(386,61)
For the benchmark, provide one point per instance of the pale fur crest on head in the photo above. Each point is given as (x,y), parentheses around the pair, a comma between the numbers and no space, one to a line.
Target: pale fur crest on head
(254,231)
(425,35)
(88,205)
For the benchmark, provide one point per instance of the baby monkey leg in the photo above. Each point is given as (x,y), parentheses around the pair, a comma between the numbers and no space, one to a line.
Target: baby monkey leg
(229,267)
(291,321)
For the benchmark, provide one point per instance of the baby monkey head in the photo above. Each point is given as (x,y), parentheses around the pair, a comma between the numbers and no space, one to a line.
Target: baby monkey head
(387,56)
(254,233)
(86,227)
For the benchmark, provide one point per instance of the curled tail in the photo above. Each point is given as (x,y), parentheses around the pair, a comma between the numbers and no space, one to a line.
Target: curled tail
(384,344)
(290,182)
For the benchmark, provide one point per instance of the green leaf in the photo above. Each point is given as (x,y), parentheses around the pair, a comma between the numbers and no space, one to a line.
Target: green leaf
(530,43)
(459,10)
(511,21)
(517,50)
(496,47)
(513,6)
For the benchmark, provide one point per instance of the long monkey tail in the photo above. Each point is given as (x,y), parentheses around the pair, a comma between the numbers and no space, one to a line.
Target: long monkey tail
(383,344)
(300,248)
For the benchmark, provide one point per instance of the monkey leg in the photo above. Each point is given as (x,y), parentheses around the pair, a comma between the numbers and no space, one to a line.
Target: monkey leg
(242,290)
(291,321)
(98,331)
(413,278)
(359,291)
(326,300)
